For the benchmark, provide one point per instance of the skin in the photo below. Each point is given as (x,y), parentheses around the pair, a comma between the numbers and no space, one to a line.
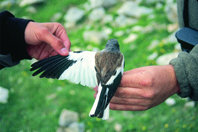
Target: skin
(144,88)
(140,88)
(46,39)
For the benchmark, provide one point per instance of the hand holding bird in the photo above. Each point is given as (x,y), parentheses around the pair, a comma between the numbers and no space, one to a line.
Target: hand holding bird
(103,69)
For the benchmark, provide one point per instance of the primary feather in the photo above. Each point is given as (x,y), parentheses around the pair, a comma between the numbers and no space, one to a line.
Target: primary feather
(77,67)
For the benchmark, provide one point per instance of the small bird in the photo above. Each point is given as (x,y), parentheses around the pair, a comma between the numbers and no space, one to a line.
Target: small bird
(103,69)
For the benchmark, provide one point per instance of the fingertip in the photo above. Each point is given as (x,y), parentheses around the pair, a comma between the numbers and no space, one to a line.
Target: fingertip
(122,82)
(126,79)
(112,106)
(96,89)
(64,52)
(67,44)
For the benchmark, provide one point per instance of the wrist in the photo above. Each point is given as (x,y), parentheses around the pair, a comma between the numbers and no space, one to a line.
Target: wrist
(175,85)
(27,32)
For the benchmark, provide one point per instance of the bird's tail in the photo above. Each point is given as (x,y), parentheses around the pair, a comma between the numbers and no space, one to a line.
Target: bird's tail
(100,107)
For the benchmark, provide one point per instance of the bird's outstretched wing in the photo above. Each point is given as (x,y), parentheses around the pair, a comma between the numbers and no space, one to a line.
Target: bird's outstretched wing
(77,67)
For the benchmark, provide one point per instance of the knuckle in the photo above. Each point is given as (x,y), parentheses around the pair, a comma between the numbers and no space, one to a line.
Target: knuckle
(43,31)
(57,24)
(147,82)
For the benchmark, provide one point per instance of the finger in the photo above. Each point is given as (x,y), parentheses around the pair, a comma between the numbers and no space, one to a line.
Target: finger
(64,37)
(53,53)
(127,107)
(54,42)
(128,80)
(96,89)
(126,101)
(35,50)
(59,31)
(95,95)
(126,92)
(45,52)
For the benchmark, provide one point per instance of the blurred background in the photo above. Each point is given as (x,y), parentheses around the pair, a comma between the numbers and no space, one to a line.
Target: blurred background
(145,30)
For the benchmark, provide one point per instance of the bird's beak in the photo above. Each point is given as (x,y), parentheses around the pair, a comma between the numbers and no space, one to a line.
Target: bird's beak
(102,102)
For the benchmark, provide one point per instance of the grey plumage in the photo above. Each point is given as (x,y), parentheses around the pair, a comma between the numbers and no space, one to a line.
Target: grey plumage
(103,68)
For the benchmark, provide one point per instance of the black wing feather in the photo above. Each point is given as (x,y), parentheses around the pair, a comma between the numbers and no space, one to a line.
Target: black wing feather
(51,70)
(42,62)
(45,65)
(52,67)
(65,66)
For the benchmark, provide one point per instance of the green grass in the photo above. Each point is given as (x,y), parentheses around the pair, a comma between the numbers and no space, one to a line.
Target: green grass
(35,104)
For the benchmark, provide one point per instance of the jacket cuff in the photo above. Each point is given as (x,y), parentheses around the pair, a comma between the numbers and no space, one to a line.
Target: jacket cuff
(186,70)
(18,44)
(14,36)
(181,76)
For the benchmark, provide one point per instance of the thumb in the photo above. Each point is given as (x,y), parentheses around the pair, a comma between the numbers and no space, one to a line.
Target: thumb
(56,43)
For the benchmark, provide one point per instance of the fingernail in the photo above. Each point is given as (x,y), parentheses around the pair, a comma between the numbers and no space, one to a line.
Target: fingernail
(64,50)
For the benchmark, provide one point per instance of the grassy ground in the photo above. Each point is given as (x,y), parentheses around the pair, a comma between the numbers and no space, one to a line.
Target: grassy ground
(35,104)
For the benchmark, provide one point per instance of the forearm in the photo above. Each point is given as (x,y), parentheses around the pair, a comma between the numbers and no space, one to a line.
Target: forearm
(12,42)
(186,69)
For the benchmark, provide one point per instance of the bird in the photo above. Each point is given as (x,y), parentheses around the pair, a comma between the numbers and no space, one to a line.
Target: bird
(89,68)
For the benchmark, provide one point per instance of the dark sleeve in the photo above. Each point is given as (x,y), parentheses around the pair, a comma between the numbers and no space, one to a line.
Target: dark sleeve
(12,41)
(186,69)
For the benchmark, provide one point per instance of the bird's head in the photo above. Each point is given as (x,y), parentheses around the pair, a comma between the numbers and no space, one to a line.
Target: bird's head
(112,45)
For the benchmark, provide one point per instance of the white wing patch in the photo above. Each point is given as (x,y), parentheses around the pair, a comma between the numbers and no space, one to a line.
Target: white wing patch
(83,71)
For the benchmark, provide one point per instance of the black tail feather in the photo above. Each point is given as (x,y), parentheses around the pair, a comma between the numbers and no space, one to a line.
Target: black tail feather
(101,103)
(104,99)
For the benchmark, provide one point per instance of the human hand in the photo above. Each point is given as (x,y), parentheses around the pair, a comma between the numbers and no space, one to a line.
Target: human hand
(145,87)
(46,39)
